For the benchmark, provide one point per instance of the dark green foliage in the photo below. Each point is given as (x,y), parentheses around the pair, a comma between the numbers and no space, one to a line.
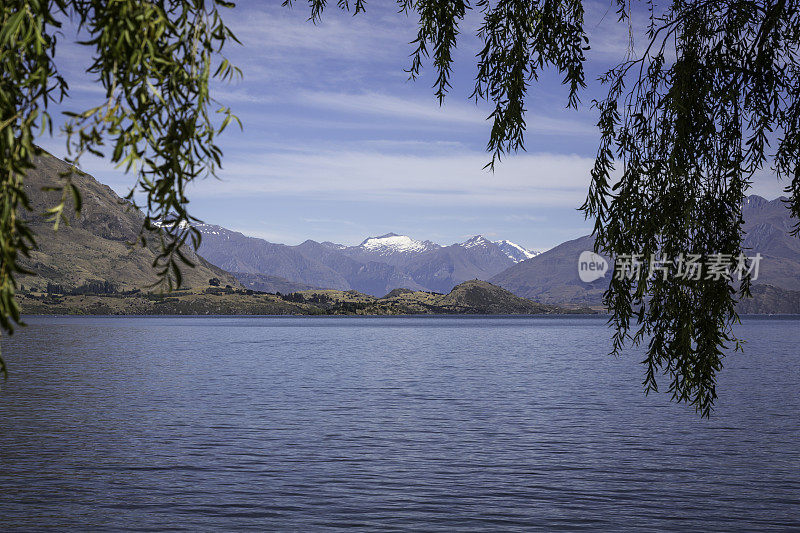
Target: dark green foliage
(95,287)
(319,298)
(714,99)
(295,297)
(53,288)
(214,282)
(228,290)
(347,308)
(689,134)
(154,60)
(90,287)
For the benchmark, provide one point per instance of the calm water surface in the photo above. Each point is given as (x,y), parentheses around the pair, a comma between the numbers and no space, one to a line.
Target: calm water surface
(413,424)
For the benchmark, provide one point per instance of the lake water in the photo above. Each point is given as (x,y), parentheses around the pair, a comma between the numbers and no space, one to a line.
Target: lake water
(407,424)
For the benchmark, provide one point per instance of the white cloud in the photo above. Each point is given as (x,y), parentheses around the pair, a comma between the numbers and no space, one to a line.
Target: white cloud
(525,218)
(392,106)
(281,46)
(448,178)
(273,28)
(452,111)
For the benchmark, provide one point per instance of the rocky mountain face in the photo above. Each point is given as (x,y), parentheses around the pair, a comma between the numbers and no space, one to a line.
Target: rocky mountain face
(552,276)
(376,266)
(516,252)
(767,225)
(94,247)
(441,269)
(235,252)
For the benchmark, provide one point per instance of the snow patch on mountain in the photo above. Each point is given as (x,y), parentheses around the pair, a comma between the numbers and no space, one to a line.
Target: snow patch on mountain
(516,252)
(391,243)
(512,250)
(210,229)
(168,224)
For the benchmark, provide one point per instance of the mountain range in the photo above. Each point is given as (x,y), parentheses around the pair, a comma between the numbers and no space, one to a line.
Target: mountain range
(380,264)
(376,266)
(94,251)
(553,276)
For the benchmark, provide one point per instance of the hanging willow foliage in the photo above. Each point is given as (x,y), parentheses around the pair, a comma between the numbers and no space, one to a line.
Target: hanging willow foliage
(712,100)
(154,60)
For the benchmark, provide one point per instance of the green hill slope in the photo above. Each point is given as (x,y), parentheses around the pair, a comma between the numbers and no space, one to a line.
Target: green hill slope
(482,297)
(94,247)
(470,297)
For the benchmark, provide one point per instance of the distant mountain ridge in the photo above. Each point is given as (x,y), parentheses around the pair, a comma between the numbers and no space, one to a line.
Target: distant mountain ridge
(376,266)
(553,275)
(94,247)
(380,264)
(93,251)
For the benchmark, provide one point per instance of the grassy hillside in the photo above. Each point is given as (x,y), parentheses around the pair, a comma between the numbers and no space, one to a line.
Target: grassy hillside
(236,302)
(266,283)
(471,297)
(95,247)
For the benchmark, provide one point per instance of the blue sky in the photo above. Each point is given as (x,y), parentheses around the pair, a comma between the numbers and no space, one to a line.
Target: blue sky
(338,145)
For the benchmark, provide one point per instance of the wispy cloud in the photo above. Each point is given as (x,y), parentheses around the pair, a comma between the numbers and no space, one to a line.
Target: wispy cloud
(280,45)
(270,28)
(428,110)
(332,124)
(392,106)
(444,178)
(525,218)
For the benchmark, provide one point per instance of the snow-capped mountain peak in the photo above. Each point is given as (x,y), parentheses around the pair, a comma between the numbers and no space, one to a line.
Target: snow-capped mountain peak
(392,243)
(477,240)
(512,250)
(516,252)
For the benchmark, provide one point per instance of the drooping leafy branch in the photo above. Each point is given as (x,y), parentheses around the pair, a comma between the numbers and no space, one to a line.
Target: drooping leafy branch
(692,121)
(154,60)
(712,100)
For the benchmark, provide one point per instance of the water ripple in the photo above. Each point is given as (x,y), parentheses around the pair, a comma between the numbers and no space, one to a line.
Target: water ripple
(393,424)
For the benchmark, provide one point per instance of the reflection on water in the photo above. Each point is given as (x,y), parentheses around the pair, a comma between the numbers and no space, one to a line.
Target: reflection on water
(392,423)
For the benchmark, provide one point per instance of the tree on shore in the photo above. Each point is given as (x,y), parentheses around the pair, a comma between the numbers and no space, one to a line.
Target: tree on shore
(713,99)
